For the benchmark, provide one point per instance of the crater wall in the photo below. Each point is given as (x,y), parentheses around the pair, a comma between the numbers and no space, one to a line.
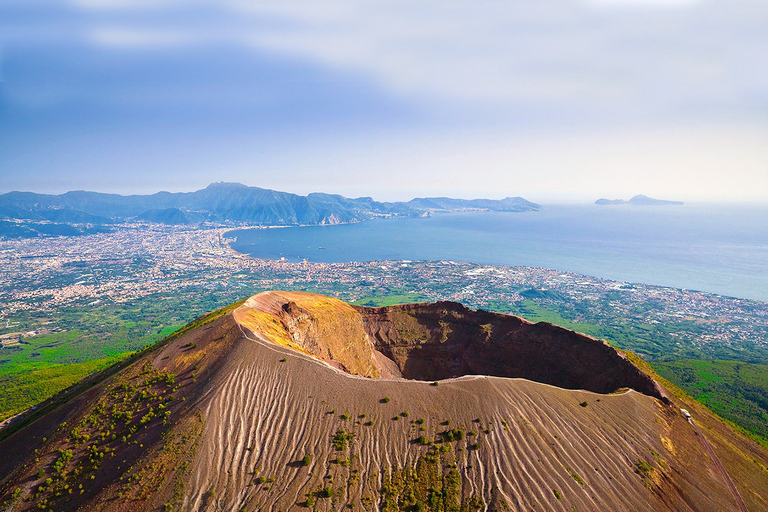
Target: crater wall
(446,339)
(439,341)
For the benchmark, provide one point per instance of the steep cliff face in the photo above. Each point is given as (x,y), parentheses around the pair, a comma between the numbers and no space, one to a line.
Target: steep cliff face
(294,401)
(446,339)
(323,327)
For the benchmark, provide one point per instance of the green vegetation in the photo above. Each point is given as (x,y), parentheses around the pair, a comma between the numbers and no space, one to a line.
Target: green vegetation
(90,339)
(739,400)
(643,468)
(97,376)
(93,339)
(340,440)
(122,415)
(735,390)
(386,299)
(38,381)
(734,384)
(575,476)
(659,459)
(449,436)
(87,335)
(660,341)
(432,483)
(534,312)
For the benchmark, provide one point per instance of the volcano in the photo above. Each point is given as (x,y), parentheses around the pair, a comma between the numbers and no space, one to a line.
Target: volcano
(296,401)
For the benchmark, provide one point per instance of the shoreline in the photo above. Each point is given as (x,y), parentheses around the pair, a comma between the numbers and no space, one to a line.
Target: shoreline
(723,265)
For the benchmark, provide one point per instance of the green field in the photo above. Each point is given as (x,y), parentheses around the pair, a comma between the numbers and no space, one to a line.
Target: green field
(735,390)
(535,313)
(90,338)
(378,301)
(31,384)
(653,342)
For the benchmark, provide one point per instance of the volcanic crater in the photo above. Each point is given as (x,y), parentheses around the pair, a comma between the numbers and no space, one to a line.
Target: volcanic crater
(444,340)
(296,401)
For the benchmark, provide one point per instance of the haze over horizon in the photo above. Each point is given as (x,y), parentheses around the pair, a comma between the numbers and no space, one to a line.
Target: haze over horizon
(561,100)
(497,195)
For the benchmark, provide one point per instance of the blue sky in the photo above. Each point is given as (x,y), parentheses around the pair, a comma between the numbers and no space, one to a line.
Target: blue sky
(554,100)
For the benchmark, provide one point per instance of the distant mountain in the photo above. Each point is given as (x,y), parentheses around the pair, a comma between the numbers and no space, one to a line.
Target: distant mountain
(229,203)
(639,200)
(508,204)
(32,229)
(170,216)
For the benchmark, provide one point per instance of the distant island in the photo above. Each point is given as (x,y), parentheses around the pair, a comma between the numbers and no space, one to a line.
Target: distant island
(639,200)
(27,214)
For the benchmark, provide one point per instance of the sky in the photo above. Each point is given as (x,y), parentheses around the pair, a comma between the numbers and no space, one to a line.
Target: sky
(552,100)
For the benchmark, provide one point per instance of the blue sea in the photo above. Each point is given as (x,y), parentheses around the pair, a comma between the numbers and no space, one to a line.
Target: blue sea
(715,248)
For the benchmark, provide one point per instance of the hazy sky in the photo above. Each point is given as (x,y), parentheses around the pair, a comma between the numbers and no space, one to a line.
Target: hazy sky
(549,99)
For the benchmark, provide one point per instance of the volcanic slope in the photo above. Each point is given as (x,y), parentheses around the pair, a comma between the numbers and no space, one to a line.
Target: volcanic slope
(294,401)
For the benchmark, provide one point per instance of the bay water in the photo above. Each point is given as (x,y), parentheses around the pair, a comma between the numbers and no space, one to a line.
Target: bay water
(716,248)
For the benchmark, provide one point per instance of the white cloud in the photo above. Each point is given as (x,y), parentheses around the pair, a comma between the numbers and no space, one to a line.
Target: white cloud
(603,81)
(561,54)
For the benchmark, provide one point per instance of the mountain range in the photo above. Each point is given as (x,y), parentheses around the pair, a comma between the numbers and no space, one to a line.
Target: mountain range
(228,203)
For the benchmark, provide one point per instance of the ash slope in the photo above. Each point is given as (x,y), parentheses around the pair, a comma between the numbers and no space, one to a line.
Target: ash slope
(247,395)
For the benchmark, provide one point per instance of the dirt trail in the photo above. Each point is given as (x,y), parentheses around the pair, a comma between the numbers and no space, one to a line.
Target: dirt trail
(721,469)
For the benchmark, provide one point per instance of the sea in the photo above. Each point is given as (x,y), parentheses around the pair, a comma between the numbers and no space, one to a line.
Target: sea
(718,248)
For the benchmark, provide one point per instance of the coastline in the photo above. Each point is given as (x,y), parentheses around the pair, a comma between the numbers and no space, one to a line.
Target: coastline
(640,247)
